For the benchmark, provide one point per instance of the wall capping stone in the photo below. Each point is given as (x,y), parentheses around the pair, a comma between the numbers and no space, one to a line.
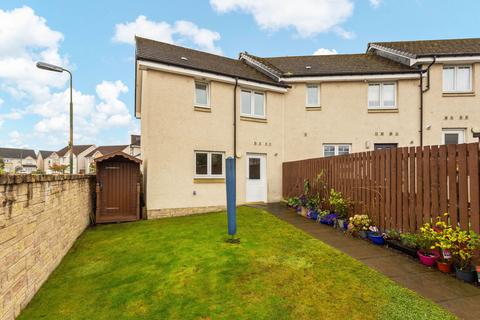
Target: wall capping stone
(27,178)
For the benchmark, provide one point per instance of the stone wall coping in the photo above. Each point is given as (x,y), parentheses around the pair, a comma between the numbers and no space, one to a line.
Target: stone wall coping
(8,179)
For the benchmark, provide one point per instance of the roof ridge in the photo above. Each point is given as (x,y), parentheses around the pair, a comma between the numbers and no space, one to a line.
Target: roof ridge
(423,40)
(186,48)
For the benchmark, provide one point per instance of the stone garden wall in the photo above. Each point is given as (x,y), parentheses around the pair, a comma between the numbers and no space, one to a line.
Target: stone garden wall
(40,219)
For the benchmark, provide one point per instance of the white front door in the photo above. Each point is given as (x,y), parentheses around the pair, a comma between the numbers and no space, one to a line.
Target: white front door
(256,178)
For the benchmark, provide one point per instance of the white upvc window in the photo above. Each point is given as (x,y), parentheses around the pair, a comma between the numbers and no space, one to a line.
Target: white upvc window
(382,95)
(252,104)
(209,164)
(457,78)
(453,136)
(313,96)
(330,150)
(202,94)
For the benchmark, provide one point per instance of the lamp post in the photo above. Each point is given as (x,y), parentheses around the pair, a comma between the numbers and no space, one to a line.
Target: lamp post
(54,68)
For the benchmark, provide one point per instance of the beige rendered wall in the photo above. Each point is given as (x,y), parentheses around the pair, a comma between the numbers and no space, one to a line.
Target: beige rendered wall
(456,111)
(344,118)
(40,218)
(172,130)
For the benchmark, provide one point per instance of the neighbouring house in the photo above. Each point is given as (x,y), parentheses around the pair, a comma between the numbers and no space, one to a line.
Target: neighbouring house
(101,151)
(45,159)
(18,160)
(135,146)
(197,108)
(79,153)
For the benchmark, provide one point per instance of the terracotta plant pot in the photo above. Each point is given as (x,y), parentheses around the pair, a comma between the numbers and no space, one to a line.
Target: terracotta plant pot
(445,267)
(428,259)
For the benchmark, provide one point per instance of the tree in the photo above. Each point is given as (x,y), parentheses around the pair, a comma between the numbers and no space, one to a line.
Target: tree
(58,168)
(93,168)
(2,166)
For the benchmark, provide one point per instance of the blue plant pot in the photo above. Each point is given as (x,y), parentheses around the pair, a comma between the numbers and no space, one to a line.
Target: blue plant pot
(376,239)
(314,215)
(345,224)
(329,219)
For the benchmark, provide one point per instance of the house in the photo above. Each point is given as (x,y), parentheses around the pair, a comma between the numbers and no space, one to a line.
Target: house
(18,160)
(197,108)
(79,153)
(101,151)
(45,159)
(135,146)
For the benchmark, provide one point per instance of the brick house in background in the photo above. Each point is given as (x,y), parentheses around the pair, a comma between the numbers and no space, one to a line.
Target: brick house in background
(79,153)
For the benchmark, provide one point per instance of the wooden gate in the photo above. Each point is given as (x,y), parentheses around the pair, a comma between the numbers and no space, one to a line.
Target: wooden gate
(118,188)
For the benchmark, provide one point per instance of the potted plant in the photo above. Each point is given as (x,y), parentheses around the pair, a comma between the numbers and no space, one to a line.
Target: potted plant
(312,207)
(359,224)
(293,202)
(426,243)
(444,233)
(303,205)
(375,236)
(408,244)
(339,206)
(464,244)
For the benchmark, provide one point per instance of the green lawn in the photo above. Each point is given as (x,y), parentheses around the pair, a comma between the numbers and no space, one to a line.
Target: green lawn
(181,268)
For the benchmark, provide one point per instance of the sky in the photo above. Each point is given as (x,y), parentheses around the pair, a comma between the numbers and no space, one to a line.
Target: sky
(95,40)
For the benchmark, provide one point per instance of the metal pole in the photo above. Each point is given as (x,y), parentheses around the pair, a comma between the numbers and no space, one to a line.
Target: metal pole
(231,199)
(70,141)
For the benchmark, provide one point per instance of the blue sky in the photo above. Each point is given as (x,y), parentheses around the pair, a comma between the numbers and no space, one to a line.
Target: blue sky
(93,38)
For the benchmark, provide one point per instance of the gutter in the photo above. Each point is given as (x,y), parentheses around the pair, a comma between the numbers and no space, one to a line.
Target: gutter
(422,91)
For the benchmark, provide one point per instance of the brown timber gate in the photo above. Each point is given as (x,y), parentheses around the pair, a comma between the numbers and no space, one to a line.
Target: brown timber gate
(118,188)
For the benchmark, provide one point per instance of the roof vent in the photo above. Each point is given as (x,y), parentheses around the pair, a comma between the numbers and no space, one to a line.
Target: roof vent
(184,58)
(308,67)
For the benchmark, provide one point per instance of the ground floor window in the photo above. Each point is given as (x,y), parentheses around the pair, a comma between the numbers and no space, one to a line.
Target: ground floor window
(209,164)
(453,136)
(336,149)
(381,146)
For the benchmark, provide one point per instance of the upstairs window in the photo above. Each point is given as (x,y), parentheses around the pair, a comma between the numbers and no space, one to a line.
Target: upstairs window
(457,78)
(209,164)
(382,96)
(202,94)
(252,104)
(313,95)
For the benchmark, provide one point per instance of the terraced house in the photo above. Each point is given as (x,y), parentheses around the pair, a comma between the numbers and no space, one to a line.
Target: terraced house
(197,108)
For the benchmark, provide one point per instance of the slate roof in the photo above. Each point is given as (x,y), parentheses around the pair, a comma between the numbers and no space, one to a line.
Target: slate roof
(106,150)
(156,51)
(13,153)
(337,64)
(77,149)
(424,48)
(45,154)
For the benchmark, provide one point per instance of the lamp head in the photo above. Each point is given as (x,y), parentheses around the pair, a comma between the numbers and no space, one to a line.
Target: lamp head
(49,67)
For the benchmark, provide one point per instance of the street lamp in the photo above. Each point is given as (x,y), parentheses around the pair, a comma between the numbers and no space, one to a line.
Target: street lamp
(54,68)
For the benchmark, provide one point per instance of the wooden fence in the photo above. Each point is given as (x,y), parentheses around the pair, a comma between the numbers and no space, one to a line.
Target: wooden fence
(399,188)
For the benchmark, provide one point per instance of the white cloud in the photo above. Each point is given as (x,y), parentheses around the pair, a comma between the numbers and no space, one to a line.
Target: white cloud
(180,32)
(324,51)
(375,3)
(25,38)
(308,17)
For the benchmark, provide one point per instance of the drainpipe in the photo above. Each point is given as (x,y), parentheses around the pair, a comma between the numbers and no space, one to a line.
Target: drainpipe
(422,91)
(235,119)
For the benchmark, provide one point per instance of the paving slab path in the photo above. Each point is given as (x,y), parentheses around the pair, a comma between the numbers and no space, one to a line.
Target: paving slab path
(460,298)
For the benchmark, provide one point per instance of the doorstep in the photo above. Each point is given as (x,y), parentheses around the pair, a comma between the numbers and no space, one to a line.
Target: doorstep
(459,298)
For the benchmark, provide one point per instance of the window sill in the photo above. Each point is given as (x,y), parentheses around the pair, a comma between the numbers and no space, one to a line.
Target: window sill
(458,94)
(383,110)
(202,108)
(253,119)
(313,108)
(209,180)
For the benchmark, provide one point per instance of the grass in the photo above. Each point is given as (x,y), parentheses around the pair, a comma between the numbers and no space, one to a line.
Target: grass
(181,268)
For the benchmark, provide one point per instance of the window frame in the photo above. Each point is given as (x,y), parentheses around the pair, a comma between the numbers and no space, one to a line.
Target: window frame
(209,174)
(311,85)
(252,104)
(336,147)
(455,69)
(382,105)
(459,131)
(195,102)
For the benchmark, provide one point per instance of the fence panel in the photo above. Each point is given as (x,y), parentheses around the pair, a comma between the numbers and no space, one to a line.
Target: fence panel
(399,188)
